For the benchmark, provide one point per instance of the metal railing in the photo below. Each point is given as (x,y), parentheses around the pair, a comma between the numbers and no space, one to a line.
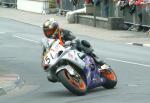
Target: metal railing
(9,3)
(68,5)
(108,9)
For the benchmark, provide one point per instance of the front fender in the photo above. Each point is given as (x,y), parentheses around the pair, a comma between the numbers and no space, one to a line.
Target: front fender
(66,67)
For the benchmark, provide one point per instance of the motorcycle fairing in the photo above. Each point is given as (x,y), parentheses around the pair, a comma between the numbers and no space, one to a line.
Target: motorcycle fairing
(93,78)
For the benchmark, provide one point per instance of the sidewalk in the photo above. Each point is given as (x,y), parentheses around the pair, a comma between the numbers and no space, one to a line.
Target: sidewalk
(99,33)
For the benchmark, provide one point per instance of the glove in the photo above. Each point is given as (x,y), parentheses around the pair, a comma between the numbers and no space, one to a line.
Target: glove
(67,43)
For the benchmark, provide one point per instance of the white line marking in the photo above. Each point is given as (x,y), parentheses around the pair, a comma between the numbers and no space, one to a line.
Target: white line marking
(129,43)
(106,58)
(128,62)
(132,85)
(2,32)
(26,39)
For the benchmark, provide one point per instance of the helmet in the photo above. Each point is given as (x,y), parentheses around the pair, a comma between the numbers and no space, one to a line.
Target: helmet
(50,27)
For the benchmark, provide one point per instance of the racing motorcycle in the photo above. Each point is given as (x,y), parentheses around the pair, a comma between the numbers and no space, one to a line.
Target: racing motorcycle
(76,70)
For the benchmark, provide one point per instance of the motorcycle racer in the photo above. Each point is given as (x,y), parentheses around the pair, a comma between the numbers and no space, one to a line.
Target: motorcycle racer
(52,30)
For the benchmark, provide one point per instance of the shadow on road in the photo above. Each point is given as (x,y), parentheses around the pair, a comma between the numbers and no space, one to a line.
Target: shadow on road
(66,93)
(60,93)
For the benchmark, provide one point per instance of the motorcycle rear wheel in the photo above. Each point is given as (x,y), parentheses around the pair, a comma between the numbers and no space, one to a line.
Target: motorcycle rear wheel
(110,77)
(75,85)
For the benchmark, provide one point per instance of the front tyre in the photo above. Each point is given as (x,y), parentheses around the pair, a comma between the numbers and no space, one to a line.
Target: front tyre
(74,83)
(110,77)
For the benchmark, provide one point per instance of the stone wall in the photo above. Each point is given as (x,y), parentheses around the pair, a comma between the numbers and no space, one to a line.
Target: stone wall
(113,23)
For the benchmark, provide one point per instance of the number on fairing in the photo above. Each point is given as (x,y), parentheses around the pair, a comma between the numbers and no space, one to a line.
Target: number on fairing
(47,59)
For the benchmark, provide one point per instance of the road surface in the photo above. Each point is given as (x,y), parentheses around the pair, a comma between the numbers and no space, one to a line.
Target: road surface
(20,53)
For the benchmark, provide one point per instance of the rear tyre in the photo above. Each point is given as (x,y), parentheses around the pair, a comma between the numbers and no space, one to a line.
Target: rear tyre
(111,78)
(74,83)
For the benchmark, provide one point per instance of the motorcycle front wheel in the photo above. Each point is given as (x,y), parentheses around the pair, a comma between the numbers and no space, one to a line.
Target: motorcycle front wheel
(110,77)
(74,83)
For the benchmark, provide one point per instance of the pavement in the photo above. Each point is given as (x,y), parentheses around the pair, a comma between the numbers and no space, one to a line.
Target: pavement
(9,82)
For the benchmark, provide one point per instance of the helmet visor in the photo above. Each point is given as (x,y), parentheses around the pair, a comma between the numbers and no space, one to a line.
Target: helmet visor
(49,32)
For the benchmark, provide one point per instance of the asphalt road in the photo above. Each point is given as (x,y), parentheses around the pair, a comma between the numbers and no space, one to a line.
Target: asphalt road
(20,53)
